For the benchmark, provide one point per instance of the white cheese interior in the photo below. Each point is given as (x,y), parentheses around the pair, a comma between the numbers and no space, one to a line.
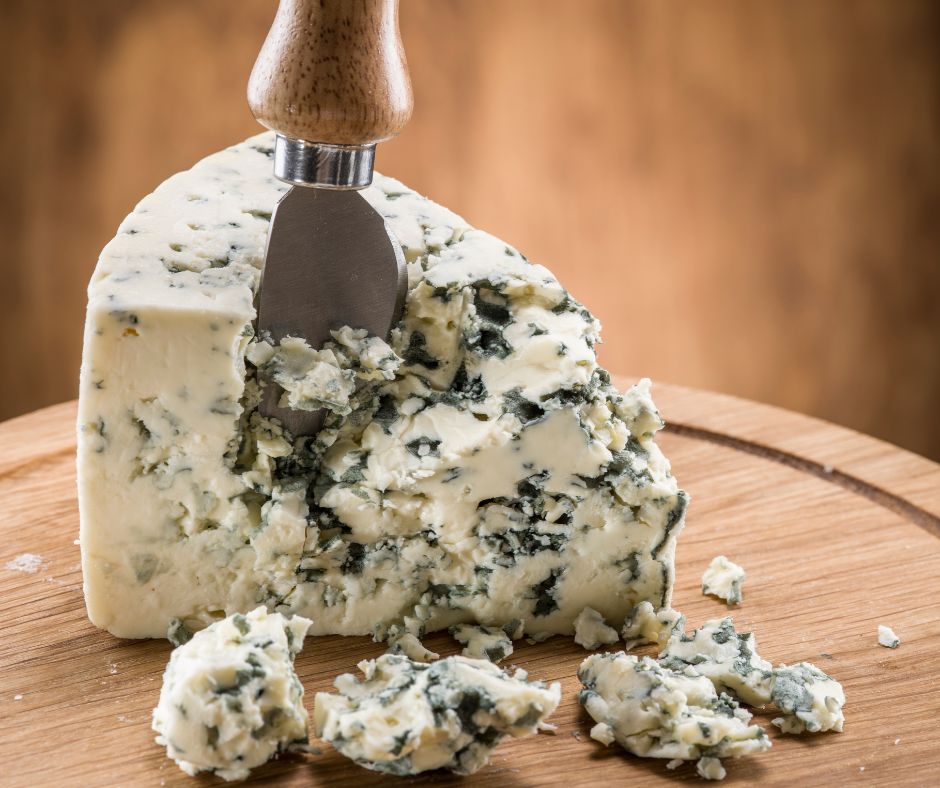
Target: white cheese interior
(491,473)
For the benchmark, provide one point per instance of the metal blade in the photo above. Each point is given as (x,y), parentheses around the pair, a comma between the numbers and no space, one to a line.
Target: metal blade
(331,261)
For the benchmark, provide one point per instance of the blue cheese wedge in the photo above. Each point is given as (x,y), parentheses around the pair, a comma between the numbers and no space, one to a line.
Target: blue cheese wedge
(655,712)
(230,699)
(591,631)
(728,659)
(405,717)
(490,643)
(478,467)
(809,699)
(644,625)
(723,579)
(887,638)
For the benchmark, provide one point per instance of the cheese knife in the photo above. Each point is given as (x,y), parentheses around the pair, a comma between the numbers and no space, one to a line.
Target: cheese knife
(331,81)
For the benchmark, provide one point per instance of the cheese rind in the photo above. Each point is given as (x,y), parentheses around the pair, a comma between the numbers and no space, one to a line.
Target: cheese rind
(477,468)
(405,717)
(230,698)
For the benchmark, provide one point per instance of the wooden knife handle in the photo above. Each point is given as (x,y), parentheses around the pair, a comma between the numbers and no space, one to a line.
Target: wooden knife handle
(332,71)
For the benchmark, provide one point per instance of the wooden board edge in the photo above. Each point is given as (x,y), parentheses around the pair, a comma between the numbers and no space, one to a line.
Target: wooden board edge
(887,474)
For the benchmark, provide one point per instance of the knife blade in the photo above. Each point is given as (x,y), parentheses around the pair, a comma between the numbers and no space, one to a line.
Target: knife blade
(332,81)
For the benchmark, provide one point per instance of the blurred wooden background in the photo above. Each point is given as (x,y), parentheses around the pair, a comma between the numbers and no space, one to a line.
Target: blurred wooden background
(746,193)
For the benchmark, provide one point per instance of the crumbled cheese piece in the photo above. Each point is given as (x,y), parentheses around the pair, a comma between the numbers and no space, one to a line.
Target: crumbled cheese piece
(887,638)
(27,562)
(710,769)
(655,712)
(723,579)
(230,699)
(728,659)
(810,700)
(603,733)
(481,642)
(325,378)
(591,631)
(478,466)
(644,625)
(405,717)
(409,645)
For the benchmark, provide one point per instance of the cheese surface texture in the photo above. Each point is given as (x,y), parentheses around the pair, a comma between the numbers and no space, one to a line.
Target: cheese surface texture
(478,467)
(406,717)
(230,698)
(655,712)
(725,657)
(811,701)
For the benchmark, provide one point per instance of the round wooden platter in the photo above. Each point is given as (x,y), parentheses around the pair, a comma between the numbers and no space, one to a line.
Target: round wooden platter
(838,533)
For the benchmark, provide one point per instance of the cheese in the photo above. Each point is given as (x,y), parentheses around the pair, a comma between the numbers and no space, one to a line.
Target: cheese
(655,712)
(645,625)
(728,659)
(809,699)
(408,645)
(887,638)
(723,579)
(230,699)
(477,468)
(405,717)
(486,642)
(710,769)
(591,631)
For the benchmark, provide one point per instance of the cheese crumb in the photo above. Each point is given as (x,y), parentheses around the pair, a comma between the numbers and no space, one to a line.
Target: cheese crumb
(27,562)
(723,579)
(603,733)
(711,769)
(887,638)
(591,631)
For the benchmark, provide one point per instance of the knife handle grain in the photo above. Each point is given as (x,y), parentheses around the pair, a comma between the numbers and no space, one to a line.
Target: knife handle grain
(332,71)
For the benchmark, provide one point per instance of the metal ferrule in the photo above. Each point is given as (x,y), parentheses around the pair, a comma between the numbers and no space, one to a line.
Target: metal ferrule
(323,165)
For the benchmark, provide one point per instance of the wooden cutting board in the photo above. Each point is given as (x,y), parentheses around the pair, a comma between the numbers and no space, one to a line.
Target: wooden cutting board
(838,533)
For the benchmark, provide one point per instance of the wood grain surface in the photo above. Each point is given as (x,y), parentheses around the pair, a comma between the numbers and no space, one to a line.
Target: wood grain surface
(838,533)
(745,193)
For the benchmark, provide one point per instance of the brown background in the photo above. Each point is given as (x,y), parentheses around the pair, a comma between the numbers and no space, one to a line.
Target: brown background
(746,193)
